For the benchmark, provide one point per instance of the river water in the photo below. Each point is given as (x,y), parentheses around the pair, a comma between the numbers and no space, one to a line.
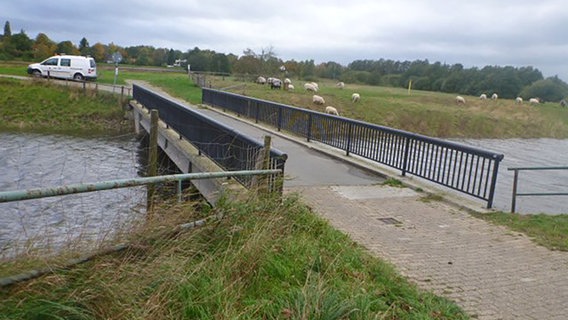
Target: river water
(530,153)
(37,161)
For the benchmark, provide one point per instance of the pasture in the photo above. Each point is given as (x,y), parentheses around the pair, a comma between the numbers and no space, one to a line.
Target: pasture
(430,113)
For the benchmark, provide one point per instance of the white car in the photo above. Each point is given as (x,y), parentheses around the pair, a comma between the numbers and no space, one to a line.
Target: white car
(78,68)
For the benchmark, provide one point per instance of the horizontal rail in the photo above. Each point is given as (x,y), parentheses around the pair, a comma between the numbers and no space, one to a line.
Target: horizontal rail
(17,195)
(531,194)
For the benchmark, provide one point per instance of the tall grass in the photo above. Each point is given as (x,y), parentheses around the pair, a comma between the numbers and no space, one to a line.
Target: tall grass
(264,259)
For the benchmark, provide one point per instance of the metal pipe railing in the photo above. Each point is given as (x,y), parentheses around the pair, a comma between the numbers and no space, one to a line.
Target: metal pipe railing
(17,195)
(515,184)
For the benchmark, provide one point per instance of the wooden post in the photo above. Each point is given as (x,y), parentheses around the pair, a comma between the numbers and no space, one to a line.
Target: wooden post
(152,157)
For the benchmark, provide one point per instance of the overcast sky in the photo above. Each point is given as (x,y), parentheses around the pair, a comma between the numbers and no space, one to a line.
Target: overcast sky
(471,32)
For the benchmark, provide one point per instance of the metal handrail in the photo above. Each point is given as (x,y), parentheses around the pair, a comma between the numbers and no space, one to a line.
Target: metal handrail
(460,167)
(18,195)
(515,184)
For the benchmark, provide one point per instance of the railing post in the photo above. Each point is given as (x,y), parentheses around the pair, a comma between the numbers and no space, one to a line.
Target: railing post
(152,157)
(349,133)
(257,115)
(406,153)
(279,118)
(493,182)
(514,200)
(309,128)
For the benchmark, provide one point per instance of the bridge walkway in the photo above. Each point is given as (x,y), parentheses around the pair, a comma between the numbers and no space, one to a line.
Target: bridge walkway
(491,272)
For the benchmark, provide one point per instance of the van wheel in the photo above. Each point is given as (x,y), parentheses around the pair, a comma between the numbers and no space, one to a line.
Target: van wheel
(36,73)
(78,77)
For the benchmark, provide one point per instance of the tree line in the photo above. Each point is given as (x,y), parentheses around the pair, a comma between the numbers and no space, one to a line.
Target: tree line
(507,81)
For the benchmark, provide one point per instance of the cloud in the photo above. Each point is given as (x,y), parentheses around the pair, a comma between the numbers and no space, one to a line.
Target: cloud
(474,33)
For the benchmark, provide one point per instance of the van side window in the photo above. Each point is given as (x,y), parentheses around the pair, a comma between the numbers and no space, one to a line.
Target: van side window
(50,62)
(93,64)
(65,62)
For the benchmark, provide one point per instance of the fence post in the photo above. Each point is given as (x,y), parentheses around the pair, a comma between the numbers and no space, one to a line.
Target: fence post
(152,158)
(406,153)
(514,201)
(349,133)
(257,115)
(309,128)
(493,182)
(279,118)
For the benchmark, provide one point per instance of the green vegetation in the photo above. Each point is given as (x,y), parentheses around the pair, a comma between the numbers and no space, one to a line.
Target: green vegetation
(550,231)
(392,182)
(34,106)
(264,260)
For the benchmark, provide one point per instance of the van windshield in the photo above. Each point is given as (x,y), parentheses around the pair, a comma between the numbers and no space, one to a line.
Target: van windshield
(93,64)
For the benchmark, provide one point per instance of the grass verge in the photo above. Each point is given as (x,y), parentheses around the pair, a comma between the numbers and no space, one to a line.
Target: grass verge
(263,260)
(550,231)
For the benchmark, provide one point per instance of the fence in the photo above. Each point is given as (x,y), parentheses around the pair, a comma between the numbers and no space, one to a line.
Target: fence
(225,146)
(466,169)
(515,185)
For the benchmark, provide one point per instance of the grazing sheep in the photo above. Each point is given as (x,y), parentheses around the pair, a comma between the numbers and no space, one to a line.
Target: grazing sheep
(331,110)
(483,96)
(261,80)
(287,81)
(563,103)
(460,100)
(276,84)
(340,85)
(494,96)
(519,100)
(534,100)
(318,100)
(290,87)
(315,85)
(355,97)
(310,87)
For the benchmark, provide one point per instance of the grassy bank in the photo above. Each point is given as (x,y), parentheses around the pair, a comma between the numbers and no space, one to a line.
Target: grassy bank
(38,106)
(263,260)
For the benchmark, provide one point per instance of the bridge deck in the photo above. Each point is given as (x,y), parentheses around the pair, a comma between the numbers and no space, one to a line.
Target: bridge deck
(489,271)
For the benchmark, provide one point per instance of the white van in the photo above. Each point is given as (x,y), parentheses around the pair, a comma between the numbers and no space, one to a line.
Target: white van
(65,67)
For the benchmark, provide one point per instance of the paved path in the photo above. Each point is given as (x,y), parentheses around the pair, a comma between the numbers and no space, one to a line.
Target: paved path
(491,272)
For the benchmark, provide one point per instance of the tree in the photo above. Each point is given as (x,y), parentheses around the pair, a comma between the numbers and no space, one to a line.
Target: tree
(84,47)
(43,47)
(98,51)
(21,45)
(67,47)
(549,89)
(7,30)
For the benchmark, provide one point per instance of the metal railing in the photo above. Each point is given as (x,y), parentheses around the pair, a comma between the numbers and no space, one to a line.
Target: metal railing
(228,148)
(18,195)
(463,168)
(536,194)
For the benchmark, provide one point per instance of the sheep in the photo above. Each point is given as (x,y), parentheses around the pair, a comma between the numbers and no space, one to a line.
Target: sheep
(261,80)
(494,96)
(534,100)
(355,97)
(276,84)
(287,81)
(460,100)
(310,87)
(483,96)
(331,110)
(318,99)
(519,100)
(290,87)
(340,85)
(563,103)
(315,85)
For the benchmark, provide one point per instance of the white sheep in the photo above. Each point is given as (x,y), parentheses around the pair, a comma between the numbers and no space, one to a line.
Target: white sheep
(494,96)
(534,100)
(519,100)
(460,100)
(483,96)
(275,83)
(318,99)
(340,85)
(315,85)
(331,110)
(355,97)
(261,80)
(563,103)
(287,81)
(310,87)
(290,87)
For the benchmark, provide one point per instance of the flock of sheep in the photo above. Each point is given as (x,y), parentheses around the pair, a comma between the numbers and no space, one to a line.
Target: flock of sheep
(276,83)
(518,100)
